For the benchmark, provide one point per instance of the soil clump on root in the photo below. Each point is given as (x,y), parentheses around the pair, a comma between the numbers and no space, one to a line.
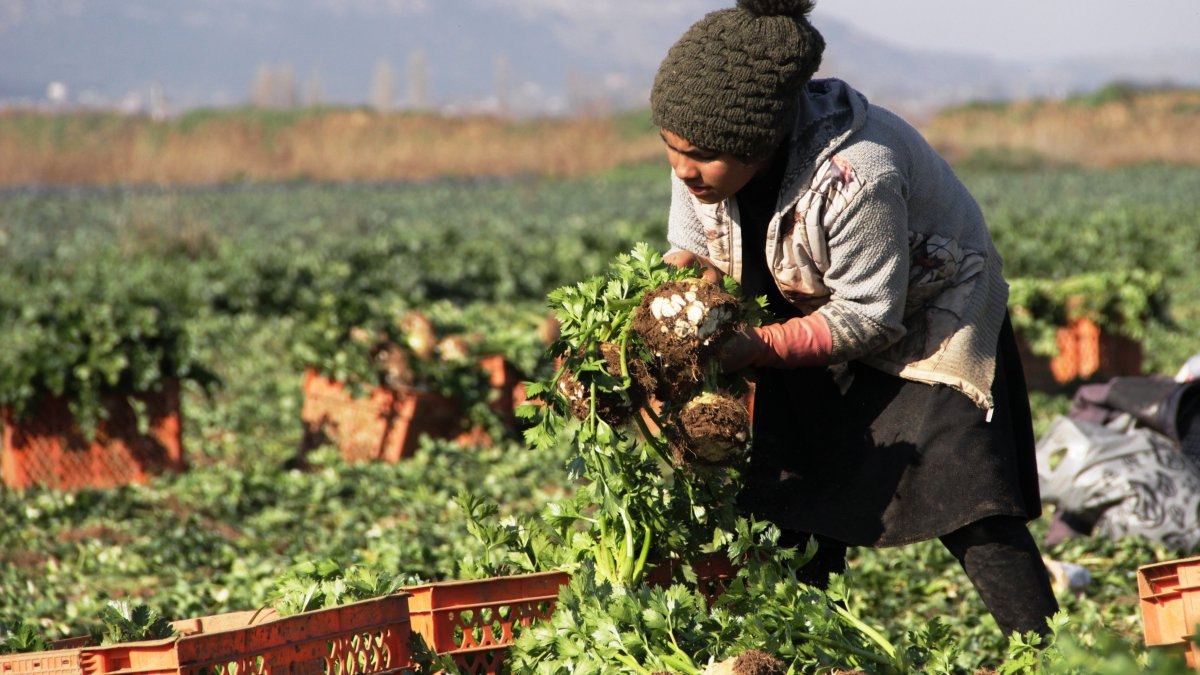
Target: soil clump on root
(711,430)
(684,324)
(611,406)
(752,662)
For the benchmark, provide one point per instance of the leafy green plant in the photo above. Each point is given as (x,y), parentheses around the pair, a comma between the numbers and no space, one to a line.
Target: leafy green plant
(100,329)
(132,622)
(509,544)
(379,341)
(599,627)
(318,584)
(23,638)
(1066,652)
(634,503)
(1125,302)
(638,502)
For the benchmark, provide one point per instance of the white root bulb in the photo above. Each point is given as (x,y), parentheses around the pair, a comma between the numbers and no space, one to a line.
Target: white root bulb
(574,391)
(686,316)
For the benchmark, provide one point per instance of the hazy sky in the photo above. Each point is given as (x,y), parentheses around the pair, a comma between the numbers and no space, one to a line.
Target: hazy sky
(1026,29)
(208,50)
(1020,29)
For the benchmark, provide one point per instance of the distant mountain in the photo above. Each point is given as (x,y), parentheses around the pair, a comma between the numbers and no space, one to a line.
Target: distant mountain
(921,81)
(524,56)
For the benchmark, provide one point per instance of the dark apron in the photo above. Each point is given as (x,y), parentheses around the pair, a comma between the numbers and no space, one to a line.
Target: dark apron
(866,458)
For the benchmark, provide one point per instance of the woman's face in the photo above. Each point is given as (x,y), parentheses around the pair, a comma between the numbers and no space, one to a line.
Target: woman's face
(709,175)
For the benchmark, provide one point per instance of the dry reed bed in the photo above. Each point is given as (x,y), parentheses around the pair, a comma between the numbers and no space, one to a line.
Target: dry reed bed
(1150,127)
(331,146)
(358,145)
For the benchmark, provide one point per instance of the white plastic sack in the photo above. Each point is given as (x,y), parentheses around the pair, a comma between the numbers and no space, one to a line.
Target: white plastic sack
(1128,480)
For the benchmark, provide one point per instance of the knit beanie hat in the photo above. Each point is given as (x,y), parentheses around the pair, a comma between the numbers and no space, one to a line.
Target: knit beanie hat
(731,82)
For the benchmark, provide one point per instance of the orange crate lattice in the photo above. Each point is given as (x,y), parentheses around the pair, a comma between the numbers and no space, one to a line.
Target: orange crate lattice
(361,638)
(473,620)
(385,425)
(57,662)
(1086,351)
(1169,599)
(47,447)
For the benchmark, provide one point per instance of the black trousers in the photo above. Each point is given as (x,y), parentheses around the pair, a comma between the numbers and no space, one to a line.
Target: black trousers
(998,554)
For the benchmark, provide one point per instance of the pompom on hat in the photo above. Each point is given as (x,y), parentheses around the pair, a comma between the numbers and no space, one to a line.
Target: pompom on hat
(731,82)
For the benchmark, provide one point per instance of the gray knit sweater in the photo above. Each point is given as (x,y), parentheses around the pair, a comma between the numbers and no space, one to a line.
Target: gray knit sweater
(873,230)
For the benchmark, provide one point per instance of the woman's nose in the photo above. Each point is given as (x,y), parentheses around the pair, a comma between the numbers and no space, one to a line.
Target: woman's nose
(685,168)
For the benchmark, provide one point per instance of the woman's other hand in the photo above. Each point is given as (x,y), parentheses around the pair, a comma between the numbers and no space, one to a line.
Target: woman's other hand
(689,259)
(744,349)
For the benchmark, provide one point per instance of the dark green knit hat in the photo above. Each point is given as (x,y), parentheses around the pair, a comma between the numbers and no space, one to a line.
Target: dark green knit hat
(731,82)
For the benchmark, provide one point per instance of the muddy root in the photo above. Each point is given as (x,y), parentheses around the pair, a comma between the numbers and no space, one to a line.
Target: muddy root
(684,323)
(711,430)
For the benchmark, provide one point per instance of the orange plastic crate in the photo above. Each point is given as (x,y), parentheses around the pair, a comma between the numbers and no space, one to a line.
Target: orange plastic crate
(507,383)
(57,662)
(509,392)
(385,425)
(1086,351)
(363,638)
(713,574)
(472,621)
(1169,596)
(47,448)
(226,621)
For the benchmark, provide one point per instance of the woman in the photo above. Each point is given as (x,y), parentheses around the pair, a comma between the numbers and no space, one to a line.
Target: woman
(890,406)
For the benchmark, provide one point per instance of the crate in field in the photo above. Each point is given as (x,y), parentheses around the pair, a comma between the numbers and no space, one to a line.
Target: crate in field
(472,621)
(507,385)
(54,662)
(227,621)
(364,638)
(47,448)
(713,571)
(508,391)
(386,424)
(1169,599)
(1086,351)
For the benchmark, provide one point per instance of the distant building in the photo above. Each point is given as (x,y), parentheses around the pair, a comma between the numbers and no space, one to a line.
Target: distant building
(56,93)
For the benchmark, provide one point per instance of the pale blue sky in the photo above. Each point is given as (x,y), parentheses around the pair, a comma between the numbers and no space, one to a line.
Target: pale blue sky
(1026,29)
(207,51)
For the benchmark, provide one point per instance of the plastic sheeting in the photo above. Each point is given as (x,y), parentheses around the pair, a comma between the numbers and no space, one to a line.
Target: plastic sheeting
(1126,480)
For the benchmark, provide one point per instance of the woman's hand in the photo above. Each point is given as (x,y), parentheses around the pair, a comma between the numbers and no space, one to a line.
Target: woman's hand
(742,350)
(689,259)
(802,341)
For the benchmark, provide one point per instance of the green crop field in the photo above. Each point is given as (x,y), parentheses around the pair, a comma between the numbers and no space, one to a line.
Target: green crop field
(236,291)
